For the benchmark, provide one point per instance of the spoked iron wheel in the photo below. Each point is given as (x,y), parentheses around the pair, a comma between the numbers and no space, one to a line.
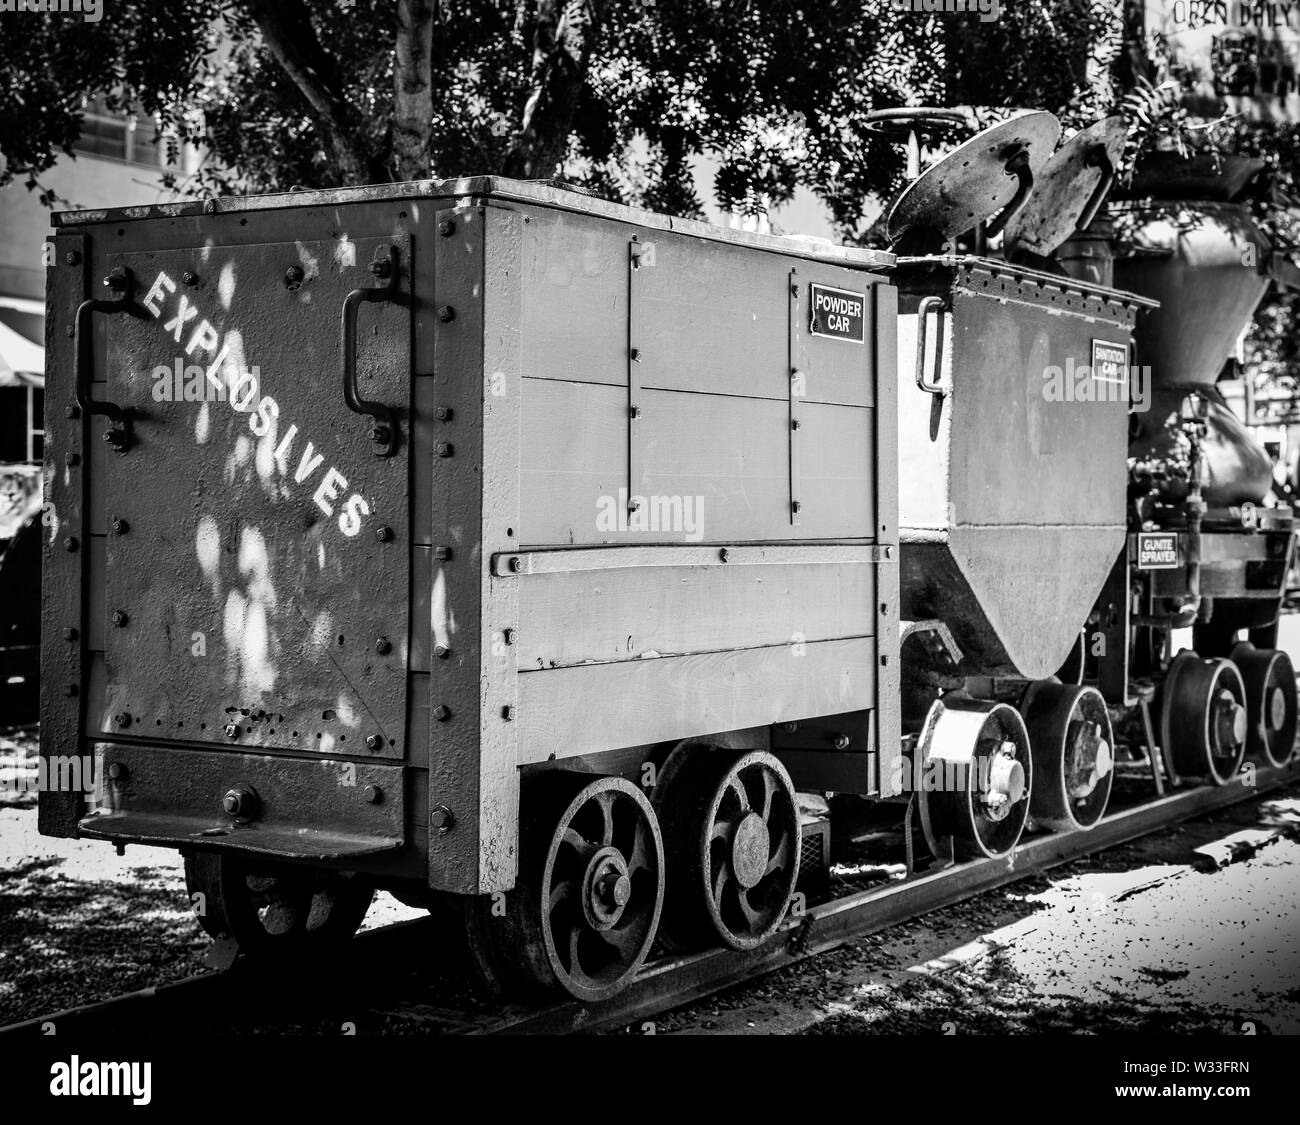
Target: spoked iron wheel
(1072,745)
(1270,702)
(272,911)
(591,885)
(1203,717)
(731,833)
(977,777)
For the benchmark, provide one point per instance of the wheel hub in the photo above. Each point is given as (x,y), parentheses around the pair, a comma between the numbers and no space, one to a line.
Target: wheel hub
(1006,783)
(1088,761)
(607,888)
(1276,708)
(1230,720)
(750,848)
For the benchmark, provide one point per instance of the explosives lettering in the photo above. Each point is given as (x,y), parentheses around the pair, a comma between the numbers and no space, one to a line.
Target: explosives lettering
(223,380)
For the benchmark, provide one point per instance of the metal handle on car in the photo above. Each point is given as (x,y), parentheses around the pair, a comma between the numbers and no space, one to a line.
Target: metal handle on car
(923,310)
(384,432)
(1098,157)
(1017,165)
(122,282)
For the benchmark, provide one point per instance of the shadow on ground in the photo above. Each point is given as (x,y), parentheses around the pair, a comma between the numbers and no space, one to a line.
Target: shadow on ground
(67,941)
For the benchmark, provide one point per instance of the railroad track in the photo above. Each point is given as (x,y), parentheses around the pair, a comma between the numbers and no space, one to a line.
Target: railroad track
(362,996)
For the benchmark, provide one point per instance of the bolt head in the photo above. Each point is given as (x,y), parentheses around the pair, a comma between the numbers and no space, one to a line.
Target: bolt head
(441,818)
(516,564)
(443,413)
(446,228)
(232,730)
(441,652)
(383,534)
(70,634)
(71,543)
(383,646)
(293,275)
(122,719)
(72,257)
(442,554)
(443,449)
(508,713)
(120,617)
(117,771)
(380,435)
(442,712)
(381,267)
(189,277)
(120,527)
(71,690)
(71,412)
(724,554)
(71,459)
(240,801)
(374,742)
(372,794)
(842,741)
(446,313)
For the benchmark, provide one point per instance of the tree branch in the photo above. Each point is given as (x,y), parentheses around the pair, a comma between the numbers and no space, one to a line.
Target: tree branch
(287,31)
(413,88)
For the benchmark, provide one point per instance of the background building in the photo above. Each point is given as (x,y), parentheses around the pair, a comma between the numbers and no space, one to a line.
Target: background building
(120,160)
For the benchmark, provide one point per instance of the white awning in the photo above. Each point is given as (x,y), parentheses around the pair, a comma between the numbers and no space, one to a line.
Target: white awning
(22,363)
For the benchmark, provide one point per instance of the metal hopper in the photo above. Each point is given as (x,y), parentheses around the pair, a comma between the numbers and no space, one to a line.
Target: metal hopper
(1204,263)
(1012,441)
(1012,427)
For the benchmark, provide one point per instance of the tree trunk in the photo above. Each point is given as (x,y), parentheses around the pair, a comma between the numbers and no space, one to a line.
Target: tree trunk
(413,89)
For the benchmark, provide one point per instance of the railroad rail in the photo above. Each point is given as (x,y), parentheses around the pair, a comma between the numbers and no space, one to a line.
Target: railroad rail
(378,999)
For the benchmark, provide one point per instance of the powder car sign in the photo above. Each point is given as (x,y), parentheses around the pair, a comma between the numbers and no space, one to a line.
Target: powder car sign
(838,313)
(1157,550)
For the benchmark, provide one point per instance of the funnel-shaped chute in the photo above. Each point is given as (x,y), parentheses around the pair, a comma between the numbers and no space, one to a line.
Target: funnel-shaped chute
(1204,264)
